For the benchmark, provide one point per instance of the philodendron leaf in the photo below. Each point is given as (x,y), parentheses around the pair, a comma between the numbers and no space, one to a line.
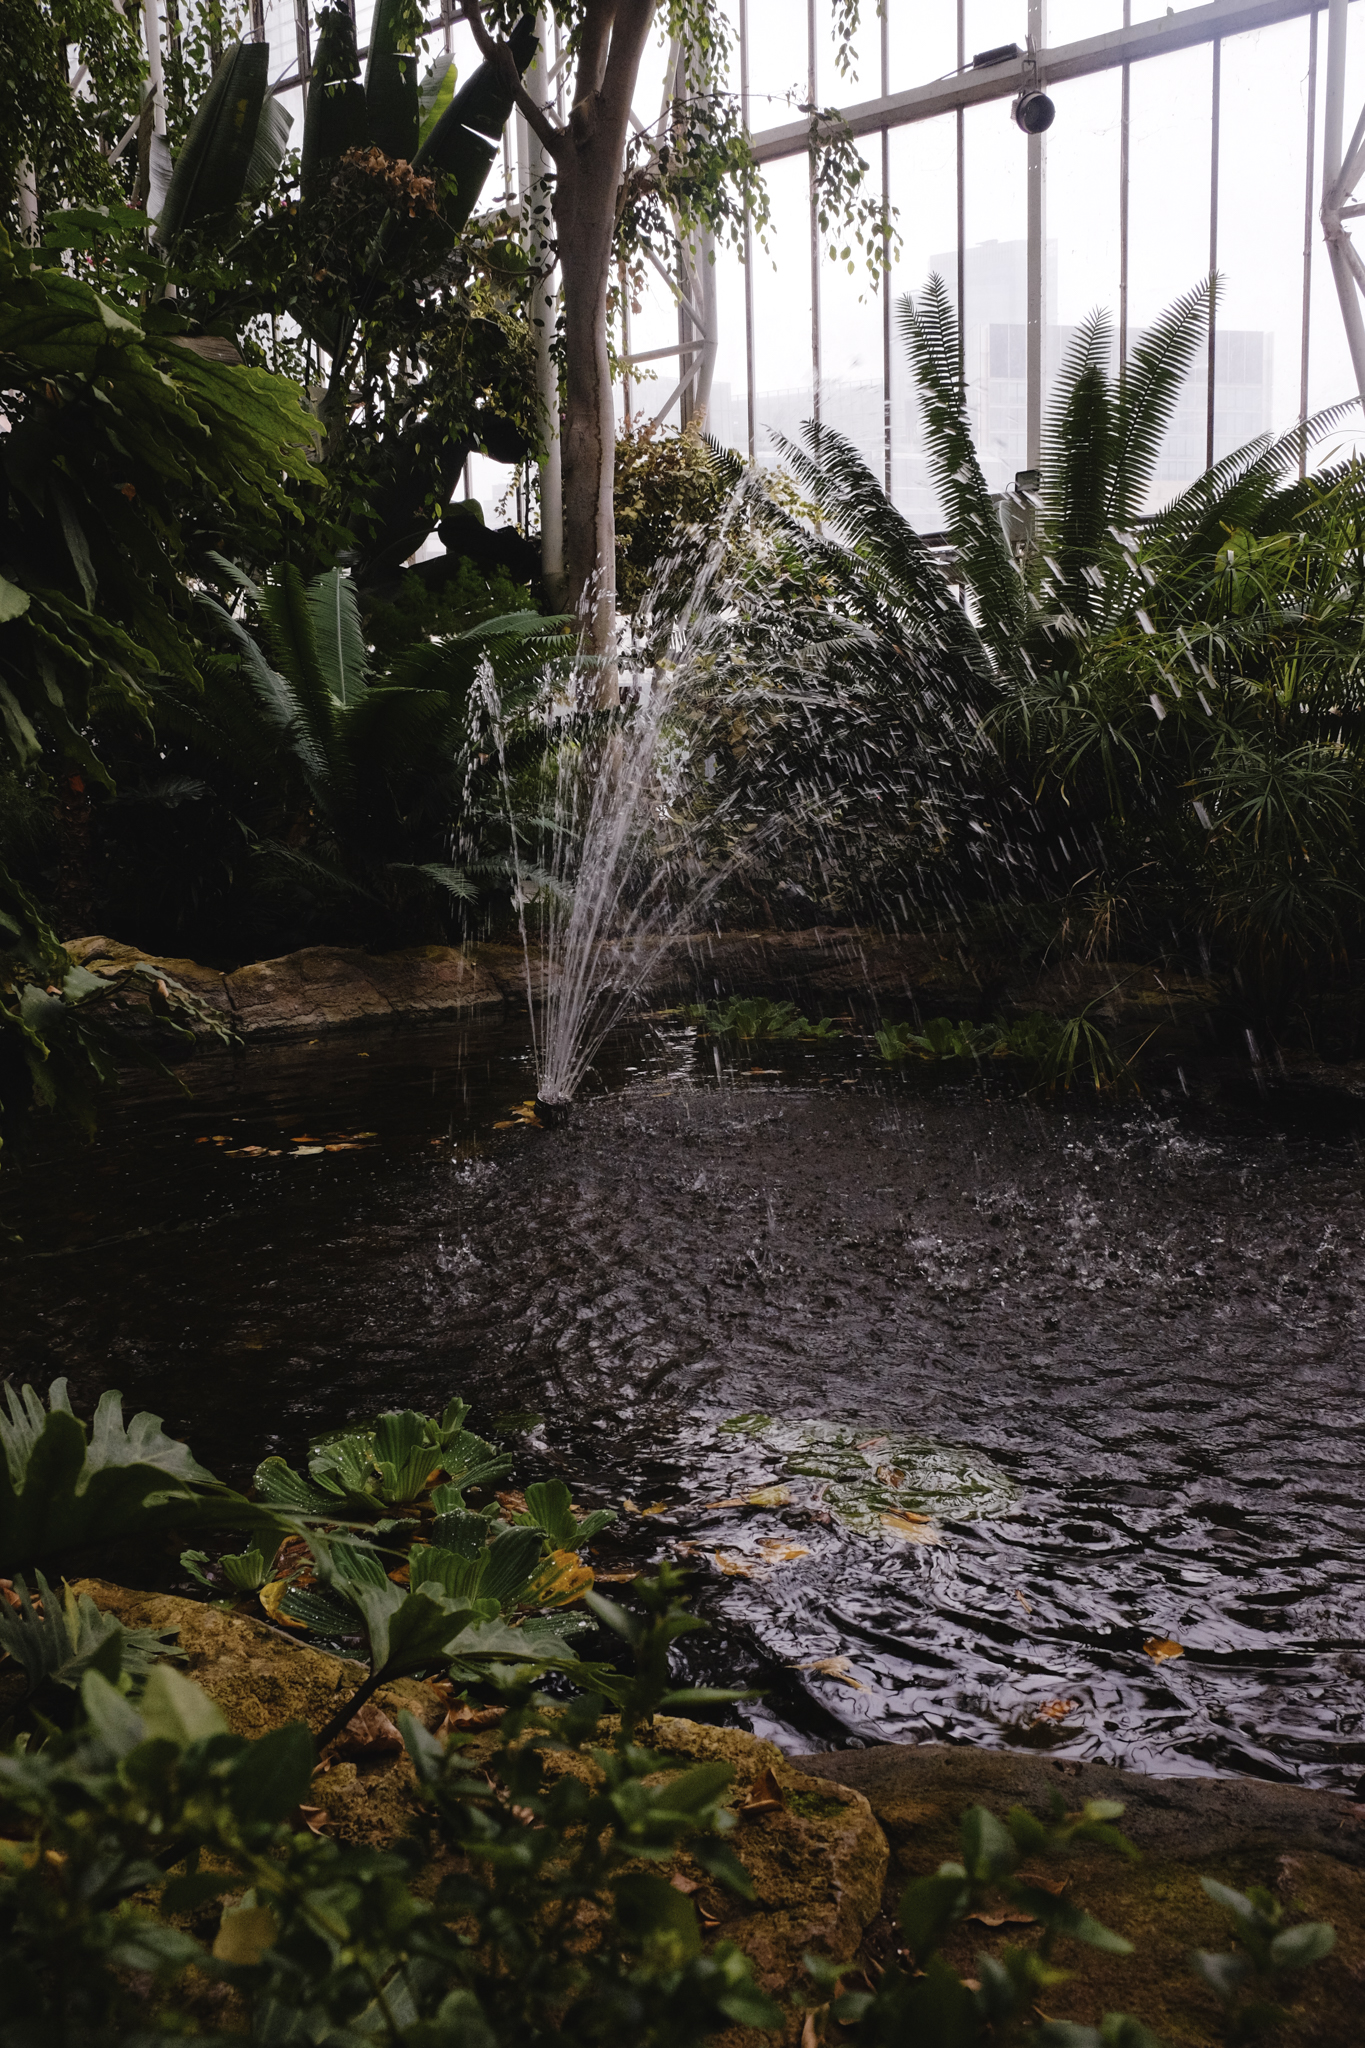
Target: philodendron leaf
(57,1492)
(408,1632)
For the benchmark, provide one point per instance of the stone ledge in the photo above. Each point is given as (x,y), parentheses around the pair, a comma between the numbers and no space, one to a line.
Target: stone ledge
(321,988)
(1307,1848)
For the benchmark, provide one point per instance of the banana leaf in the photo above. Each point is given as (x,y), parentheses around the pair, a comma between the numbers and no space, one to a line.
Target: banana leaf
(58,1492)
(435,92)
(336,119)
(214,164)
(463,143)
(391,82)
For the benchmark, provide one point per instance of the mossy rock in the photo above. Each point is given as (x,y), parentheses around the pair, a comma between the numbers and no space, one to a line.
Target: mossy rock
(1308,1848)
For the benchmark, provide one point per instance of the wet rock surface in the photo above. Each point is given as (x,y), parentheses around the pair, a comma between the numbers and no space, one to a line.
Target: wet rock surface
(1306,1848)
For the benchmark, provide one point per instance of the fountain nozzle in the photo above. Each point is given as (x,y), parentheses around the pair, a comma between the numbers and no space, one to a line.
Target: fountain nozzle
(554,1115)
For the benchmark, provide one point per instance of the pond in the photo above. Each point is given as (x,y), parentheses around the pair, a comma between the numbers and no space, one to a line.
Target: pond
(969,1411)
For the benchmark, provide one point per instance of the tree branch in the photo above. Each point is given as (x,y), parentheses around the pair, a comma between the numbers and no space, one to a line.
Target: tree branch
(537,120)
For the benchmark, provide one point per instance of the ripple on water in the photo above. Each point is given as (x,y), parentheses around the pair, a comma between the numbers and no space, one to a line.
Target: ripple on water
(1116,1364)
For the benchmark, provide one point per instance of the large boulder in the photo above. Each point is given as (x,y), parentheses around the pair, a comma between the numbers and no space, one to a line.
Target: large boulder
(330,988)
(1306,1847)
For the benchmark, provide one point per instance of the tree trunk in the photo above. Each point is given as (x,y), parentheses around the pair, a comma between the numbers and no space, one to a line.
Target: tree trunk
(589,174)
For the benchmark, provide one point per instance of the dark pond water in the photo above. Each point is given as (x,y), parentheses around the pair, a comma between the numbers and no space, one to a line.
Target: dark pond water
(1109,1367)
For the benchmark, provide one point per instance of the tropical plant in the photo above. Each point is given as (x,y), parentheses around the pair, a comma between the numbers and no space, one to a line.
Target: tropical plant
(150,1850)
(355,781)
(1052,1052)
(54,1641)
(664,484)
(924,1999)
(750,1017)
(63,1489)
(395,1555)
(1162,709)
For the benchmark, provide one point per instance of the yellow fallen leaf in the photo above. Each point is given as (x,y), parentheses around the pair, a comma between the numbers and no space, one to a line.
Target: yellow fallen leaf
(270,1597)
(833,1667)
(775,1551)
(736,1500)
(1055,1710)
(246,1934)
(912,1528)
(658,1507)
(305,1151)
(733,1567)
(562,1578)
(769,1497)
(508,1125)
(1159,1648)
(1023,1603)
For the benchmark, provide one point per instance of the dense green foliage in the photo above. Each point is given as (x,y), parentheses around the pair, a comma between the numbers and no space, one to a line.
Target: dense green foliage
(1138,731)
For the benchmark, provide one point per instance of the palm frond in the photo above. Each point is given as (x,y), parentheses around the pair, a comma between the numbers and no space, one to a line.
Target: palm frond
(904,574)
(278,700)
(1078,460)
(1148,390)
(342,657)
(1235,492)
(929,328)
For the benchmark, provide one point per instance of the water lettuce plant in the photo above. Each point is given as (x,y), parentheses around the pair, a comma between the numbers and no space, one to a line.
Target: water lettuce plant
(62,1488)
(750,1017)
(394,1556)
(877,1482)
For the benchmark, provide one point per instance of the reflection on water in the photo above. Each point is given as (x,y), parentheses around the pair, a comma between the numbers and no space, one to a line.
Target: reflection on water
(1105,1372)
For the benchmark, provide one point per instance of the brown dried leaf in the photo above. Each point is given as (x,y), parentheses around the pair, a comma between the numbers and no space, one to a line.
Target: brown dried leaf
(368,1733)
(1055,1710)
(733,1567)
(314,1818)
(765,1795)
(511,1502)
(768,1497)
(466,1717)
(683,1884)
(1159,1648)
(833,1667)
(776,1551)
(1010,1917)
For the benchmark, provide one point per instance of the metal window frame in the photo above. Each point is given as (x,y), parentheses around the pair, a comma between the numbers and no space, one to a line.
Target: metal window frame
(1116,49)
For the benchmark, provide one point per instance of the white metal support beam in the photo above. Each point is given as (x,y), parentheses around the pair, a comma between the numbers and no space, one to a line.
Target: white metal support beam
(1037,252)
(1340,172)
(1180,30)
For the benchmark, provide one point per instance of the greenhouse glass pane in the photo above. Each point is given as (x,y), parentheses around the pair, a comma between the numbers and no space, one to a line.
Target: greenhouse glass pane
(1170,141)
(779,74)
(995,314)
(782,325)
(923,42)
(852,393)
(1072,21)
(863,79)
(728,421)
(1260,233)
(993,22)
(1082,215)
(924,187)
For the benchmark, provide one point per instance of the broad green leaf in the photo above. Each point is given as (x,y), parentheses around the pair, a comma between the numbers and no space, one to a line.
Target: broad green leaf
(271,1777)
(14,602)
(662,1920)
(435,92)
(1296,1947)
(117,1724)
(211,172)
(58,1493)
(511,1565)
(175,1709)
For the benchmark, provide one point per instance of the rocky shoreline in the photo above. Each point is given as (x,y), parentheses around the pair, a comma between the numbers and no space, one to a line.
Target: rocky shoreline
(344,988)
(831,1839)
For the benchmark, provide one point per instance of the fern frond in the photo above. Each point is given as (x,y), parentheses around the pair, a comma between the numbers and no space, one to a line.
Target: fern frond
(930,330)
(1148,390)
